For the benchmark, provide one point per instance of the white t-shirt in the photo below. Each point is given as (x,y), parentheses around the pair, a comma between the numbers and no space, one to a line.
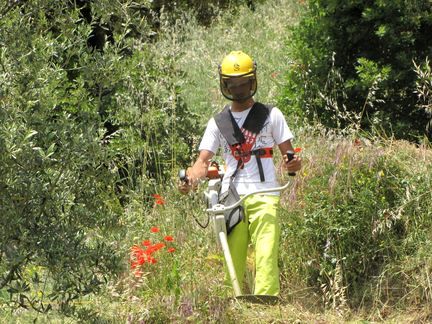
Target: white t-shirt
(275,131)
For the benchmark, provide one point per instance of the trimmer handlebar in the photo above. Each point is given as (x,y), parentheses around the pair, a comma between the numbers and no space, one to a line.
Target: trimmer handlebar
(219,208)
(182,175)
(213,172)
(290,155)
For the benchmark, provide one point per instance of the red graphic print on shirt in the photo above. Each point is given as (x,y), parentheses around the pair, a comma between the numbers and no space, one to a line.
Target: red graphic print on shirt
(246,147)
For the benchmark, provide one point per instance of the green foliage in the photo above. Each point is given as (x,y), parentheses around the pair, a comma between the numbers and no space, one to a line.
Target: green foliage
(204,11)
(57,191)
(371,47)
(99,105)
(260,33)
(360,213)
(82,125)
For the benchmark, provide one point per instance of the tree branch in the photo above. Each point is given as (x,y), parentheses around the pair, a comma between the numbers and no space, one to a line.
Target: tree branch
(9,276)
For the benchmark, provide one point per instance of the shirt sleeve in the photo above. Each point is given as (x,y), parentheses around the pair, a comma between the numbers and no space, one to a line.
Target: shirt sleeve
(211,138)
(280,129)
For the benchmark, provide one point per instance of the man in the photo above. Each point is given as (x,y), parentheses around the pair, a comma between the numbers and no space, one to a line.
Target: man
(253,166)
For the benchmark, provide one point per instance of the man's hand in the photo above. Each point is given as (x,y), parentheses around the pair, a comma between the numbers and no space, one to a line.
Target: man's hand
(292,166)
(195,173)
(183,183)
(295,164)
(187,184)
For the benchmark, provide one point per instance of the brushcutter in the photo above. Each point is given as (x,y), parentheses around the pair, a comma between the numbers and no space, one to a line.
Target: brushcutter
(216,211)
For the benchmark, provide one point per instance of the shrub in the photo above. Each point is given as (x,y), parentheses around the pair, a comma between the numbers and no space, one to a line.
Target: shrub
(361,209)
(370,47)
(57,194)
(81,126)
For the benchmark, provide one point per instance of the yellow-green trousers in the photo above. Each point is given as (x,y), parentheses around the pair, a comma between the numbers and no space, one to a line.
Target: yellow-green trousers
(261,228)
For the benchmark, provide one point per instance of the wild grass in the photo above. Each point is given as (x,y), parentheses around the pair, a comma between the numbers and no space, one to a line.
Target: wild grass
(262,34)
(347,252)
(356,221)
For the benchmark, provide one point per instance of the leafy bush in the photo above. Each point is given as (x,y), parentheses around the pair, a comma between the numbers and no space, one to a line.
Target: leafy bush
(360,209)
(57,190)
(356,57)
(81,127)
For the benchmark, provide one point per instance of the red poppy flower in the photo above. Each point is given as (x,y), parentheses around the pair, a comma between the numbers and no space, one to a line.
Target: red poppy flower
(171,250)
(152,260)
(149,250)
(168,238)
(158,246)
(135,248)
(146,242)
(297,150)
(141,260)
(154,229)
(159,200)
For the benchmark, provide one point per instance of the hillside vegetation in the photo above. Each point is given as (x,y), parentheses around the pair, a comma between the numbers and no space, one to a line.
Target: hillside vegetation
(90,145)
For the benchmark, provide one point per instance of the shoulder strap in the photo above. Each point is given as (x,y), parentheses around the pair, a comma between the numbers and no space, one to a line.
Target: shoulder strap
(257,117)
(254,122)
(228,127)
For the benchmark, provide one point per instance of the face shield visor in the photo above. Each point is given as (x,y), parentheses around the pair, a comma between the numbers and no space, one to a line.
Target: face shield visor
(238,87)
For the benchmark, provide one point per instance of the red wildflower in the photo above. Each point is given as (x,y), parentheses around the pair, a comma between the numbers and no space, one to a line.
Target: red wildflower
(154,229)
(135,248)
(152,260)
(168,238)
(297,150)
(144,253)
(158,246)
(159,200)
(153,248)
(137,256)
(146,242)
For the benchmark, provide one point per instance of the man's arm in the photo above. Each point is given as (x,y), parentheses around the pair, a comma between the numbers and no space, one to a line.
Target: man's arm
(295,164)
(197,172)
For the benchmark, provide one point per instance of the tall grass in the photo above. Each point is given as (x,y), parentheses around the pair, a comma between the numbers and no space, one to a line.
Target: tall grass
(343,221)
(356,231)
(356,222)
(359,208)
(261,34)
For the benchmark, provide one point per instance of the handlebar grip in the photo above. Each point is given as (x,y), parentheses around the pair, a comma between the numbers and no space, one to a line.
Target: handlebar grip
(290,155)
(182,175)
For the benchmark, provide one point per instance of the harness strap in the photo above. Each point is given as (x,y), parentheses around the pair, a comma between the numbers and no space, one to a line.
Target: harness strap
(254,123)
(266,152)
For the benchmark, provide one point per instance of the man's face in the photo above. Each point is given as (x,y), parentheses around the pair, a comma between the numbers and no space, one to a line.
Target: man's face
(239,88)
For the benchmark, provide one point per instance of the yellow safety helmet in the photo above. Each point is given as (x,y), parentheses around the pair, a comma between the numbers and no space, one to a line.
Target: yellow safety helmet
(237,71)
